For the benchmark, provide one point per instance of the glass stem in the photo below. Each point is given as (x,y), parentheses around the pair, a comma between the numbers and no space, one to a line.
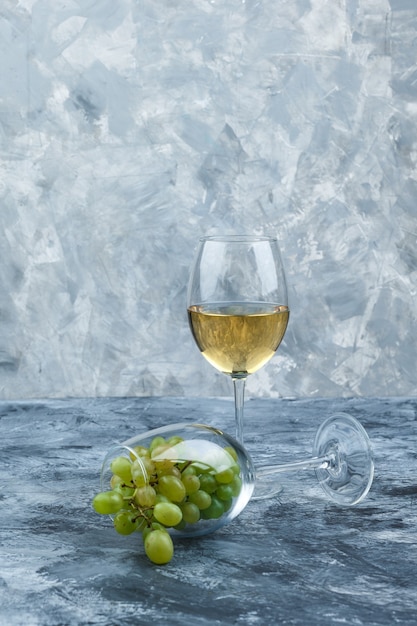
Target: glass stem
(323,462)
(239,388)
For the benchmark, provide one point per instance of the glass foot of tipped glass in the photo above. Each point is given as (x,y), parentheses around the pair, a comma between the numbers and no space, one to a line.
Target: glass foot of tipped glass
(347,473)
(342,460)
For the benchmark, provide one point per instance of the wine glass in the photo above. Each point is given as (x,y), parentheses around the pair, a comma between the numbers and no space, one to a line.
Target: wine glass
(237,306)
(342,459)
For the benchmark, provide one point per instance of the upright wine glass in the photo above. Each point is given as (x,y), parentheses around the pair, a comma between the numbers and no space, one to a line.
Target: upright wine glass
(237,306)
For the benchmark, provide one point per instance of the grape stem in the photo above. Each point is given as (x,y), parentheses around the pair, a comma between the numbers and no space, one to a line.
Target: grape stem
(187,464)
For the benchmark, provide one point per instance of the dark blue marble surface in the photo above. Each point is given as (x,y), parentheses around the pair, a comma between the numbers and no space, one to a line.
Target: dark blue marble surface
(297,559)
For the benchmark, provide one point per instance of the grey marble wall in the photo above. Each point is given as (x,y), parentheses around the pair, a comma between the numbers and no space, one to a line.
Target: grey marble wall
(130,128)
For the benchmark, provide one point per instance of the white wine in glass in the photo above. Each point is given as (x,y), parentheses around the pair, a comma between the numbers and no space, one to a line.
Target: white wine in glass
(237,306)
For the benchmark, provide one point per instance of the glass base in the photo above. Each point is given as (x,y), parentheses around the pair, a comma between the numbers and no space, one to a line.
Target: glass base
(350,470)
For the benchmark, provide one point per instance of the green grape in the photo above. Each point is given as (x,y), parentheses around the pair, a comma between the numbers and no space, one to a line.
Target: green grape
(115,481)
(236,469)
(167,468)
(150,527)
(175,471)
(108,502)
(190,512)
(232,452)
(145,496)
(224,492)
(174,440)
(121,466)
(181,525)
(191,483)
(162,466)
(158,451)
(159,547)
(126,522)
(172,487)
(161,498)
(201,498)
(167,513)
(124,490)
(139,472)
(227,504)
(236,486)
(208,483)
(156,442)
(188,470)
(149,465)
(139,451)
(215,510)
(225,476)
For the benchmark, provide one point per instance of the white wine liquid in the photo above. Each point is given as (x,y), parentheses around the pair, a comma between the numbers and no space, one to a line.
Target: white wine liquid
(238,338)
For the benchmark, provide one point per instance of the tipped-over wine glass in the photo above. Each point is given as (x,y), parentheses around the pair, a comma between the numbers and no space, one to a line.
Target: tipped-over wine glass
(237,306)
(193,479)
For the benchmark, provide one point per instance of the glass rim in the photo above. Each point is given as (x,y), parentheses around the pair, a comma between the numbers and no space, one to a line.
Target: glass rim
(238,238)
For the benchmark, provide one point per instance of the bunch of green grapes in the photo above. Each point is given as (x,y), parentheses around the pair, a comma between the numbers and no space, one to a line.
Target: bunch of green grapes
(150,493)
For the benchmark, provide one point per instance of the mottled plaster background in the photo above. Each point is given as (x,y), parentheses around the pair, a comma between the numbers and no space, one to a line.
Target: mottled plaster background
(130,128)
